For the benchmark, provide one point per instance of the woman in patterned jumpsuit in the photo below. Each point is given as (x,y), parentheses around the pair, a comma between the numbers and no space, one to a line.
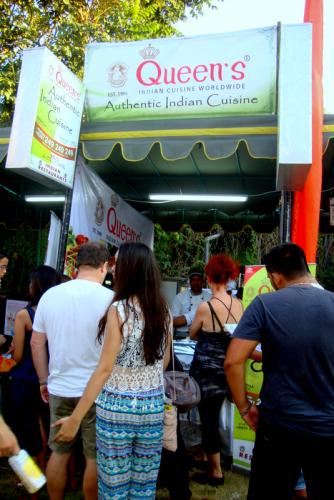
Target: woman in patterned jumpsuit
(128,382)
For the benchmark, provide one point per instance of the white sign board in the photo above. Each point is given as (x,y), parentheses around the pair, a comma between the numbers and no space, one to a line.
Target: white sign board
(45,132)
(12,307)
(294,151)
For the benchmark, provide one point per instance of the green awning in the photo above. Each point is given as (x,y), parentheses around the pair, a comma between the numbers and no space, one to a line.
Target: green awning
(219,138)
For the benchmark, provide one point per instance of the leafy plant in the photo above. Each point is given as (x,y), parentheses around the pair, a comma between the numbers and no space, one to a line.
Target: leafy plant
(325,261)
(25,248)
(176,252)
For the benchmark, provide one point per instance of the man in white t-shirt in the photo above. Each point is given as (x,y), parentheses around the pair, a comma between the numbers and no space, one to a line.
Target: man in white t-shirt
(65,325)
(185,303)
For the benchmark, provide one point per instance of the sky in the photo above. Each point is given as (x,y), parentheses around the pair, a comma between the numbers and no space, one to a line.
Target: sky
(235,15)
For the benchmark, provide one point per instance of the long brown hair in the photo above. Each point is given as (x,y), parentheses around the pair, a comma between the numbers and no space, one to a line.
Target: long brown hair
(137,276)
(41,279)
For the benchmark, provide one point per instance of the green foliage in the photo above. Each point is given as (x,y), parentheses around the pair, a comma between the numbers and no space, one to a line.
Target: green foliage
(247,246)
(325,261)
(67,26)
(176,252)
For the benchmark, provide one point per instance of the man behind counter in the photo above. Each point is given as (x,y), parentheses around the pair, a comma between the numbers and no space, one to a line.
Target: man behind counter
(185,303)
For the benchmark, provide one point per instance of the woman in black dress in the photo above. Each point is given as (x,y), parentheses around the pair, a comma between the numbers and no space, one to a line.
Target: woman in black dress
(207,367)
(29,415)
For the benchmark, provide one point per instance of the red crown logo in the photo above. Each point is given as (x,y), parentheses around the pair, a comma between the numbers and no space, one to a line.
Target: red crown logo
(149,52)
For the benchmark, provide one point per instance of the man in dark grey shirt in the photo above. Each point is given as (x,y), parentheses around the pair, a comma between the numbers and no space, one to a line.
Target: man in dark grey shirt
(295,421)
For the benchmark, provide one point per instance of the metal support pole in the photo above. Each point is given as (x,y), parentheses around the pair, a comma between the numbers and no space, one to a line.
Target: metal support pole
(64,231)
(207,241)
(285,216)
(38,253)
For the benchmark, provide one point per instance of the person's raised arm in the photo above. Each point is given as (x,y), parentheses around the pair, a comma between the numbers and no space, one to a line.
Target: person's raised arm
(40,359)
(69,426)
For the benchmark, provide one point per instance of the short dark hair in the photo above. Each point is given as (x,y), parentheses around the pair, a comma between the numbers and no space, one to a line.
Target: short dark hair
(287,259)
(92,254)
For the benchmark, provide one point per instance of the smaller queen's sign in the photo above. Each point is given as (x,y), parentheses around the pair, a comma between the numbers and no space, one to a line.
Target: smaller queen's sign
(47,118)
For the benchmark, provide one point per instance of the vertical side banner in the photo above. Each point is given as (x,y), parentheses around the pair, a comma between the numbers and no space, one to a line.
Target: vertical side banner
(243,436)
(256,282)
(53,241)
(100,214)
(47,119)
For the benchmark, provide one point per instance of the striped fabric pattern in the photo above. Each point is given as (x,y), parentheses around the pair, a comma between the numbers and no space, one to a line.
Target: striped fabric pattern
(129,430)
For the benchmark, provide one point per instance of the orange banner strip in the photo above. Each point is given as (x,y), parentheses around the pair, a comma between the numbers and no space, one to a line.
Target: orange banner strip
(66,152)
(306,206)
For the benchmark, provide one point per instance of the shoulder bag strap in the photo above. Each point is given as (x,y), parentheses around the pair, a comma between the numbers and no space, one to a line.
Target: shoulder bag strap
(173,365)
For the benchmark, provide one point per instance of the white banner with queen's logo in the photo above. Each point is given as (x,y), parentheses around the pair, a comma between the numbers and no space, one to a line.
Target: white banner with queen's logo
(204,76)
(100,214)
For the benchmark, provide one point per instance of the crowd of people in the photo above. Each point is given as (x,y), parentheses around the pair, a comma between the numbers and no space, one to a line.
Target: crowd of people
(90,364)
